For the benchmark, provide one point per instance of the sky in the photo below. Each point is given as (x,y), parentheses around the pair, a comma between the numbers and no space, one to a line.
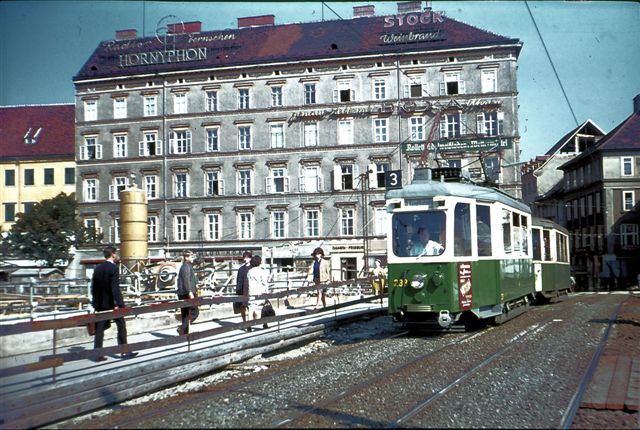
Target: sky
(581,62)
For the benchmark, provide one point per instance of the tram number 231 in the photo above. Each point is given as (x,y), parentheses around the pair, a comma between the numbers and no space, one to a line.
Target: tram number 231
(393,179)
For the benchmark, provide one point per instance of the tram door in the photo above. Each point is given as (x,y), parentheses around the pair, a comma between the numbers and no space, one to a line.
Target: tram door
(537,258)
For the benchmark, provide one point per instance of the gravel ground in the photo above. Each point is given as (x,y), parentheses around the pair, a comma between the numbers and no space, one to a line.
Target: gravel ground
(529,386)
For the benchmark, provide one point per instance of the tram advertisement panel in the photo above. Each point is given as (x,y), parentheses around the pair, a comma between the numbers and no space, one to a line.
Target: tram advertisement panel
(464,283)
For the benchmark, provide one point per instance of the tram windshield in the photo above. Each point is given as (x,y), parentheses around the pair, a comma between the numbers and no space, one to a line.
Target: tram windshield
(418,233)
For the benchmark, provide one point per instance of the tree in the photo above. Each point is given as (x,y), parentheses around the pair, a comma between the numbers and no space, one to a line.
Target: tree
(48,231)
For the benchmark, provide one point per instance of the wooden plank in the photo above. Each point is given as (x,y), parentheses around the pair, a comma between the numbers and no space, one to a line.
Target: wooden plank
(31,367)
(632,401)
(596,395)
(619,382)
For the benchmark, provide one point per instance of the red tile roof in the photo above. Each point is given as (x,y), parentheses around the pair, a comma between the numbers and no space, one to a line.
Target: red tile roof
(291,42)
(51,126)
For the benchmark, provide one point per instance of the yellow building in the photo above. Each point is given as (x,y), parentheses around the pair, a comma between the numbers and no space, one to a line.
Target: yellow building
(37,159)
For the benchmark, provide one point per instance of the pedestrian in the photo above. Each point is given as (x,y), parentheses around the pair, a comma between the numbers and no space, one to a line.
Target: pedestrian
(378,277)
(106,296)
(320,274)
(242,286)
(187,284)
(257,279)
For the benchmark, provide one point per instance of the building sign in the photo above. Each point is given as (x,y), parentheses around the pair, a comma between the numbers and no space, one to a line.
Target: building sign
(483,143)
(162,57)
(362,110)
(412,37)
(411,19)
(405,24)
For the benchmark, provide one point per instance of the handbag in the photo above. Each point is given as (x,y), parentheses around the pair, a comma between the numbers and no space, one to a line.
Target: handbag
(267,310)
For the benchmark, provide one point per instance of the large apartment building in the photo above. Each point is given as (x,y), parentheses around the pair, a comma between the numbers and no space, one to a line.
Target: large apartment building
(279,138)
(37,160)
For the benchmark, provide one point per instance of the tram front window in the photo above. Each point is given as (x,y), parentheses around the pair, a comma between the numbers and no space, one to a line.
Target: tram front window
(418,233)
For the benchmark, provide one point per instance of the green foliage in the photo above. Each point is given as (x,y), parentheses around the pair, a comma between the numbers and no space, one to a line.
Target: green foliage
(48,231)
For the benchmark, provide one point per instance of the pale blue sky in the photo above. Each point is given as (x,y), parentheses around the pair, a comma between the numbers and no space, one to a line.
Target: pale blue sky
(594,45)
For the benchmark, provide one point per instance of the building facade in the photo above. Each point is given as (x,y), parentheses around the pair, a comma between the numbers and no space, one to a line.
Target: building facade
(602,195)
(281,138)
(37,157)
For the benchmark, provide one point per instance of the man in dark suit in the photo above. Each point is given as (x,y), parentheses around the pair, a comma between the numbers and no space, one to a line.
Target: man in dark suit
(106,296)
(242,286)
(187,289)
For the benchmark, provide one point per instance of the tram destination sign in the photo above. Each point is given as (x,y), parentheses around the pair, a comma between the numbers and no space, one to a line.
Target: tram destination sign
(483,143)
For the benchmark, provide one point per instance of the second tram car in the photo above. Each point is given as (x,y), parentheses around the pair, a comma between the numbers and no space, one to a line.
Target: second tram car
(460,252)
(552,274)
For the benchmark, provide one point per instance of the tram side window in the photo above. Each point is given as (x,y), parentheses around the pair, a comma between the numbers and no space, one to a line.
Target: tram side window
(506,231)
(524,234)
(537,250)
(462,230)
(483,222)
(561,247)
(546,240)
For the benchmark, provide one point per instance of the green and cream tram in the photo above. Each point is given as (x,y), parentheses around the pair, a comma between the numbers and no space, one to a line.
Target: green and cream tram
(550,260)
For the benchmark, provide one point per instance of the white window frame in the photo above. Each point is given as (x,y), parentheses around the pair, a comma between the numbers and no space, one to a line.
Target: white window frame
(347,221)
(312,222)
(114,231)
(451,125)
(629,235)
(450,77)
(276,133)
(180,141)
(120,183)
(150,106)
(245,179)
(489,80)
(490,123)
(310,134)
(380,130)
(119,107)
(345,131)
(276,96)
(310,179)
(244,137)
(309,93)
(380,221)
(180,103)
(181,185)
(212,137)
(244,98)
(416,128)
(91,142)
(624,162)
(211,101)
(181,228)
(119,146)
(149,139)
(414,88)
(340,174)
(344,92)
(90,189)
(379,88)
(278,224)
(91,110)
(213,226)
(210,178)
(277,175)
(151,186)
(245,225)
(152,228)
(631,199)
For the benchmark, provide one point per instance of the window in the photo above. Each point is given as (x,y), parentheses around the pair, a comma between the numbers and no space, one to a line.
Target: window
(90,190)
(149,145)
(91,150)
(628,200)
(546,245)
(629,235)
(180,103)
(9,212)
(29,177)
(483,227)
(277,135)
(418,233)
(310,179)
(120,184)
(343,93)
(590,204)
(92,229)
(462,230)
(379,89)
(181,228)
(311,134)
(180,141)
(212,228)
(488,80)
(627,166)
(243,98)
(214,186)
(278,224)
(115,231)
(506,231)
(380,221)
(211,101)
(151,186)
(490,123)
(69,175)
(245,225)
(244,181)
(213,142)
(10,177)
(309,94)
(244,138)
(376,174)
(181,186)
(347,219)
(119,145)
(276,96)
(278,182)
(414,88)
(450,126)
(380,130)
(344,176)
(91,110)
(312,222)
(152,228)
(150,106)
(452,84)
(119,107)
(28,207)
(48,176)
(416,128)
(345,132)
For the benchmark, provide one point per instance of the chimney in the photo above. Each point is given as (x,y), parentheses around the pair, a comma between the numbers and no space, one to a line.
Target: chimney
(409,6)
(255,21)
(636,104)
(360,11)
(126,34)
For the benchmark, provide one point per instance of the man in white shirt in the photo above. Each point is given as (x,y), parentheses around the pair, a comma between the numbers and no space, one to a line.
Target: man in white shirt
(424,245)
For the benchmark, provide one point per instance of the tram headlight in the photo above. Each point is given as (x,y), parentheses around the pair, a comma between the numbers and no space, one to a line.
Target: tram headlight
(418,280)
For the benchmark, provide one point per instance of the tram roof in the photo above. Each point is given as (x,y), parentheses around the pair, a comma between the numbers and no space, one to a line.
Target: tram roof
(423,187)
(547,223)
